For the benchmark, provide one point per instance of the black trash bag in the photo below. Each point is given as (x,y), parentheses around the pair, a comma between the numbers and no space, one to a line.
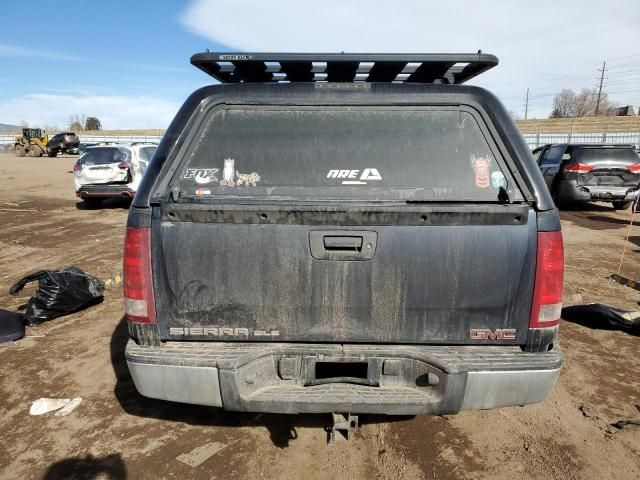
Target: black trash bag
(60,292)
(11,326)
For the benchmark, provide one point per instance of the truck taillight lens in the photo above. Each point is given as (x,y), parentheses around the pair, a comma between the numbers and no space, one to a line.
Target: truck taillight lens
(547,292)
(139,304)
(578,168)
(635,168)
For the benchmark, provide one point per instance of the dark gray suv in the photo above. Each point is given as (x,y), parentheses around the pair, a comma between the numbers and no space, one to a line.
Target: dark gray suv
(587,172)
(67,142)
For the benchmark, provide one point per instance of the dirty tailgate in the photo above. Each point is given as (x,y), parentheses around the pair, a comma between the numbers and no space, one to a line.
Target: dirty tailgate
(236,279)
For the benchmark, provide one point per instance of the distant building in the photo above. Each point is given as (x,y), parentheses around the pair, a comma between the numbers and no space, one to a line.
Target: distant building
(625,111)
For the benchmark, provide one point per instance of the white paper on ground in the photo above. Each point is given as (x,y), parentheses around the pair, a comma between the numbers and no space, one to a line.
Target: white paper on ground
(200,454)
(45,405)
(69,407)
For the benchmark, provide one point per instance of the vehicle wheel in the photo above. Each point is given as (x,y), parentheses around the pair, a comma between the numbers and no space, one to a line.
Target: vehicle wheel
(51,153)
(92,202)
(35,151)
(20,151)
(622,205)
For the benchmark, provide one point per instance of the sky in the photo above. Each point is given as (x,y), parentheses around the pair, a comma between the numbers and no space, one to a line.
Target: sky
(128,62)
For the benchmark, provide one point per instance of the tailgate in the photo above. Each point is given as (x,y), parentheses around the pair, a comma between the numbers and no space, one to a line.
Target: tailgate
(221,276)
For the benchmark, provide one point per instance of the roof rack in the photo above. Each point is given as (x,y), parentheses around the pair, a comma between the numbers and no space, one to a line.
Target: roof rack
(446,68)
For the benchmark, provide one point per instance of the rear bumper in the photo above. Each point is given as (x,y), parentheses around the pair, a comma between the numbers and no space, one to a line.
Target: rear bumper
(106,190)
(401,380)
(570,191)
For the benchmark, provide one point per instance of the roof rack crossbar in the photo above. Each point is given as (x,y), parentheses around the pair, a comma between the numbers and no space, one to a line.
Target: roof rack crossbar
(341,71)
(431,72)
(385,71)
(341,67)
(297,71)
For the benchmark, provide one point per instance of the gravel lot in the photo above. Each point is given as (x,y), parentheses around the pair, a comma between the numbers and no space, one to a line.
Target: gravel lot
(115,433)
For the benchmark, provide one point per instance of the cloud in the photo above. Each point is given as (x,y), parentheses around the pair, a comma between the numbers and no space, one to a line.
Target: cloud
(16,51)
(537,42)
(114,112)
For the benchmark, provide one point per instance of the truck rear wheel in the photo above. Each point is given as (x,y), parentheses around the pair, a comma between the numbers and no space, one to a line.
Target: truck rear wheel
(621,205)
(20,151)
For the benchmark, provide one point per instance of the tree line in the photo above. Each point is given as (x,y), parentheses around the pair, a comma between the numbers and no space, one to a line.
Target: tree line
(568,104)
(80,121)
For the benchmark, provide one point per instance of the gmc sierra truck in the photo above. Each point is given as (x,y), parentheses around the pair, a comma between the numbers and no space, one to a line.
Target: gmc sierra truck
(343,233)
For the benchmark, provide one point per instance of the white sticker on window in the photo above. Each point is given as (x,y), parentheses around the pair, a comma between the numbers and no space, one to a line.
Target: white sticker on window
(354,177)
(202,175)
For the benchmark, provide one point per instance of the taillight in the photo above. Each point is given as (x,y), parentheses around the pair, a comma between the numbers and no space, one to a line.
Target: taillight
(124,165)
(635,168)
(77,167)
(139,302)
(578,168)
(547,292)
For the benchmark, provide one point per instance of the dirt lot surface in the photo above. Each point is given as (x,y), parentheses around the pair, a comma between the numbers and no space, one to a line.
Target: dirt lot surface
(115,433)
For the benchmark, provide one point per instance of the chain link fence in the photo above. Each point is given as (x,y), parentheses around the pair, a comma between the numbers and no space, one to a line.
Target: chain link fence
(536,139)
(533,139)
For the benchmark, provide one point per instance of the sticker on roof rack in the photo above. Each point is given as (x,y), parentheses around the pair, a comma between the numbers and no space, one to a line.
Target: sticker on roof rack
(342,86)
(235,57)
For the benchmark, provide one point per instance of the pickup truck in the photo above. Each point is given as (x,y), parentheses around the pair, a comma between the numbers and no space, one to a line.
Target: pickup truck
(342,233)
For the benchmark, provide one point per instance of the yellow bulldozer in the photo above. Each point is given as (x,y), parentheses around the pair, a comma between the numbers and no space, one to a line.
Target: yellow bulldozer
(32,142)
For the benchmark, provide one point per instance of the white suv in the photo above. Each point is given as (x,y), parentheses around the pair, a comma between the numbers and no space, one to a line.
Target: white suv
(111,170)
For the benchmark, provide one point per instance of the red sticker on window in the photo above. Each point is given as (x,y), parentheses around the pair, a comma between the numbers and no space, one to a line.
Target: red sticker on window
(481,168)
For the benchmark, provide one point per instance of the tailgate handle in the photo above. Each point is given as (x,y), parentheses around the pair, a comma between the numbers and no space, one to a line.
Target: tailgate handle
(334,242)
(349,245)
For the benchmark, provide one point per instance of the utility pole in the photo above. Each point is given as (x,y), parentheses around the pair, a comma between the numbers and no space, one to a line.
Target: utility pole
(526,105)
(604,65)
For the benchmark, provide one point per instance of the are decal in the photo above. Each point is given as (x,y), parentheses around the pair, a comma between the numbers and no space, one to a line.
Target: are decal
(354,177)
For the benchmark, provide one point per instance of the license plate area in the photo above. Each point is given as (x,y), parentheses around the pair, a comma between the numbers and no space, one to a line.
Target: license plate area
(341,370)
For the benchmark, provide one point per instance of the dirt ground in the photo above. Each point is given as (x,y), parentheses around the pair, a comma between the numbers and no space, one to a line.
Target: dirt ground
(115,433)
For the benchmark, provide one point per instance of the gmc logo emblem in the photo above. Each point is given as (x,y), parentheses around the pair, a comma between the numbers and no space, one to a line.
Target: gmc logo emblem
(488,334)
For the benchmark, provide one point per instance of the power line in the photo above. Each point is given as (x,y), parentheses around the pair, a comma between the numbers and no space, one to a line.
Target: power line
(616,82)
(552,81)
(604,69)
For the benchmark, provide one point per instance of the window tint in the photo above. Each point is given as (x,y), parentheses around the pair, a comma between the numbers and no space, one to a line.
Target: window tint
(554,155)
(340,152)
(592,155)
(105,155)
(146,153)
